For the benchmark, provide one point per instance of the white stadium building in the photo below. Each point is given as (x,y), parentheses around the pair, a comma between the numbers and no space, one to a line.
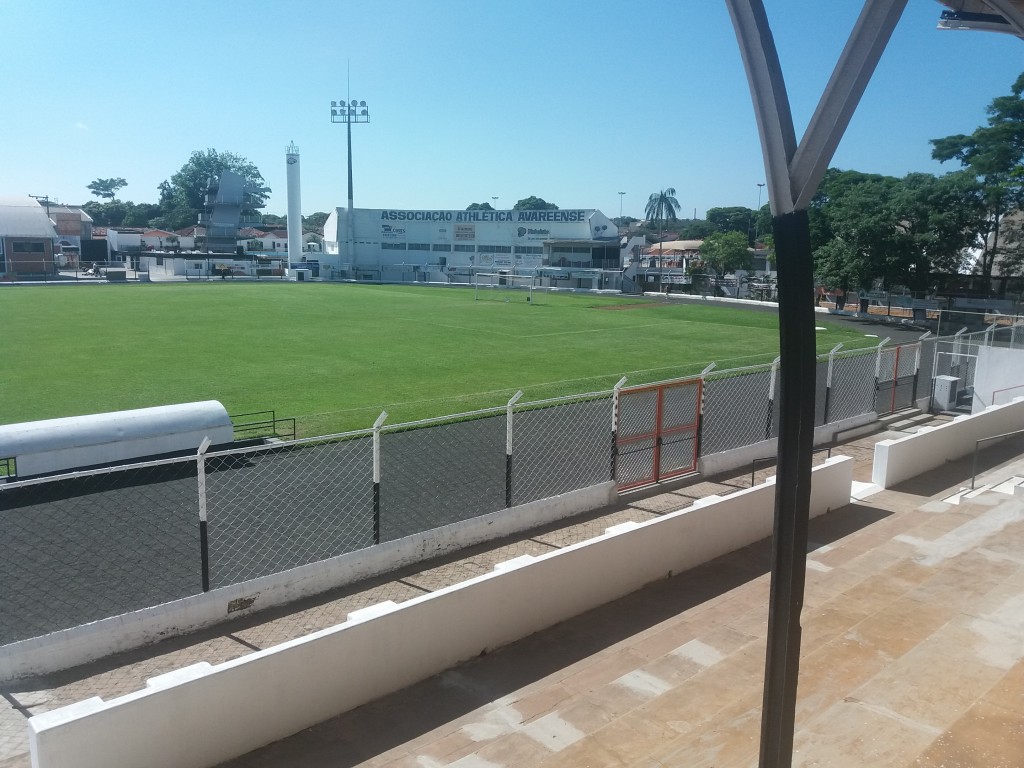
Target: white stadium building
(574,248)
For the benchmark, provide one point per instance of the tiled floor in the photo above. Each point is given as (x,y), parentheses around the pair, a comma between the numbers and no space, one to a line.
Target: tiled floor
(913,639)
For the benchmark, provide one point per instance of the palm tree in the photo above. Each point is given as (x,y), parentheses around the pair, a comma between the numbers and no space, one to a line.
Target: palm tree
(661,205)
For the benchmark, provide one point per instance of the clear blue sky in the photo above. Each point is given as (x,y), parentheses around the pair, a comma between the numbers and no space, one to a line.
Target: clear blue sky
(570,101)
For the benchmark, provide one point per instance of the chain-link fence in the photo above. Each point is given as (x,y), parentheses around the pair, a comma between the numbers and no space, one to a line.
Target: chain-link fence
(441,472)
(89,545)
(275,508)
(738,408)
(80,548)
(560,445)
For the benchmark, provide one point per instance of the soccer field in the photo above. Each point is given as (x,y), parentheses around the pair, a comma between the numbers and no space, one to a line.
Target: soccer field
(335,355)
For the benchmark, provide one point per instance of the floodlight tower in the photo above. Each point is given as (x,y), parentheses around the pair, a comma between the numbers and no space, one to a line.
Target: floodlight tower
(348,112)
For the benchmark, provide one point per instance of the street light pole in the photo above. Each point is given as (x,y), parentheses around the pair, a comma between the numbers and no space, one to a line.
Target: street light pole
(495,199)
(349,111)
(620,206)
(757,213)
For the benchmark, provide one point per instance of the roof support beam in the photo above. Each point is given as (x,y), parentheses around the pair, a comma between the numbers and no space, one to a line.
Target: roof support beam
(793,173)
(1011,12)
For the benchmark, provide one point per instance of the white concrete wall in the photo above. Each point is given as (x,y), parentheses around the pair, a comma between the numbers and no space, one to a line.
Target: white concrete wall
(726,461)
(100,639)
(203,715)
(998,377)
(930,447)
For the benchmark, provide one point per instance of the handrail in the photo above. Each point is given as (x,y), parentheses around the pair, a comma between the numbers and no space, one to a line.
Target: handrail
(262,424)
(974,460)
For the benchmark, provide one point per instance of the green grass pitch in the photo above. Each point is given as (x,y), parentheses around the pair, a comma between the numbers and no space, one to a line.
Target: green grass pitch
(335,355)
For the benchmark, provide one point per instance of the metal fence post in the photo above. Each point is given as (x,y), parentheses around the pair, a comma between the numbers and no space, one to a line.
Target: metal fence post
(700,409)
(508,447)
(878,368)
(615,427)
(957,346)
(771,399)
(990,331)
(828,382)
(376,475)
(917,369)
(204,542)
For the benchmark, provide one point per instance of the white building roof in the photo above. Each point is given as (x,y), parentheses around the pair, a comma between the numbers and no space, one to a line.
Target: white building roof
(22,216)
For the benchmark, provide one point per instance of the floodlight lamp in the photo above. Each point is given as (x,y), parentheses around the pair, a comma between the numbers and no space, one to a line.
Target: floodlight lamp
(354,103)
(364,112)
(362,103)
(334,113)
(334,103)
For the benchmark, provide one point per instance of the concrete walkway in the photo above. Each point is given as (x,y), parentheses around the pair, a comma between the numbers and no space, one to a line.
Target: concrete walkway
(913,639)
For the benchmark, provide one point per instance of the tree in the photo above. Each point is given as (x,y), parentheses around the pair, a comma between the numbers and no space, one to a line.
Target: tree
(533,203)
(695,229)
(726,252)
(866,227)
(733,219)
(315,222)
(187,187)
(660,206)
(142,215)
(940,215)
(479,207)
(867,237)
(994,154)
(110,214)
(107,188)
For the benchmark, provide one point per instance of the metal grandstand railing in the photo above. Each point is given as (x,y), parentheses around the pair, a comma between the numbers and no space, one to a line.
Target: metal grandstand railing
(262,425)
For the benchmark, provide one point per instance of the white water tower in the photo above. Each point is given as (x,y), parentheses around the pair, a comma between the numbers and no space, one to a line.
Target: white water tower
(294,205)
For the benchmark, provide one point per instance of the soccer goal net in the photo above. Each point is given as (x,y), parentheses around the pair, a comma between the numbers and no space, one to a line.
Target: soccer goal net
(493,286)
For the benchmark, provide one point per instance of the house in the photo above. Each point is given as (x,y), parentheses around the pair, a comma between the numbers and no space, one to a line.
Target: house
(159,240)
(26,237)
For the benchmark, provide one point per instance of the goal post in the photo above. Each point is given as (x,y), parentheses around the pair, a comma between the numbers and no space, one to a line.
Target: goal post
(501,287)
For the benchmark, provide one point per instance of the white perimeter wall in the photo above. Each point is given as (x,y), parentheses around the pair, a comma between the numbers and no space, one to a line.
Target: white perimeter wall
(907,457)
(101,639)
(997,368)
(203,715)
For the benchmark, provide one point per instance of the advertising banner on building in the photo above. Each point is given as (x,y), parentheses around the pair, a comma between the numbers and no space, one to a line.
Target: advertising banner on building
(465,231)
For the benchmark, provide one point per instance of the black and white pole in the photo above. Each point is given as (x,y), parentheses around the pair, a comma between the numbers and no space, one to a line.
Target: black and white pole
(508,446)
(828,382)
(700,410)
(204,542)
(771,399)
(878,365)
(376,475)
(958,346)
(917,367)
(615,426)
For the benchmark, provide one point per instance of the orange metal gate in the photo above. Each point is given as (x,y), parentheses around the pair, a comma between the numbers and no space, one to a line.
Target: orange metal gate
(657,432)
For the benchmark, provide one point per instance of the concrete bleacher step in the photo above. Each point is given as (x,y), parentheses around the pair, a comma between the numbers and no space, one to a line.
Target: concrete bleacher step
(907,420)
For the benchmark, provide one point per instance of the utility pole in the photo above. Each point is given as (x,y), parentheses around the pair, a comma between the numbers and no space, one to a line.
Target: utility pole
(45,200)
